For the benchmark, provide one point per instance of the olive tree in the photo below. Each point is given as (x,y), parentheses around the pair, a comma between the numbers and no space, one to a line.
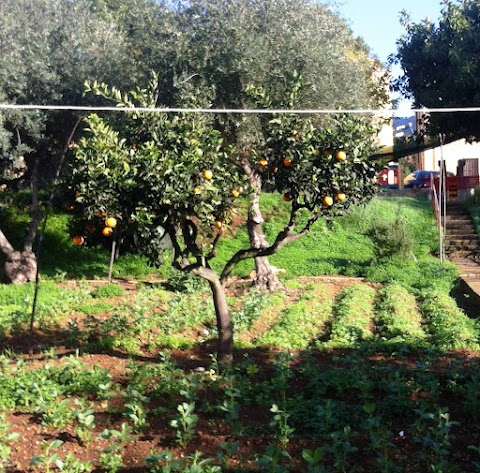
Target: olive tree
(48,48)
(174,176)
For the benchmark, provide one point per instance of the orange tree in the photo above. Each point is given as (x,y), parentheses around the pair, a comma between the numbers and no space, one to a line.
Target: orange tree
(171,177)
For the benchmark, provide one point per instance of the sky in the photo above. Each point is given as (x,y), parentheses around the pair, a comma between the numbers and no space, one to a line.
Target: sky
(377,21)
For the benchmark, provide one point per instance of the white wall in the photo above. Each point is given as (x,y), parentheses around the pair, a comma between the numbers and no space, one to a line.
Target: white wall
(451,154)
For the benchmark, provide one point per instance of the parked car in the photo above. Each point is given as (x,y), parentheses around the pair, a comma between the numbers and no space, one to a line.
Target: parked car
(419,179)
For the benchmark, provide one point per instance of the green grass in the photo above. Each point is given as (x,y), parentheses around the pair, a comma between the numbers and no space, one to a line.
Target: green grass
(339,247)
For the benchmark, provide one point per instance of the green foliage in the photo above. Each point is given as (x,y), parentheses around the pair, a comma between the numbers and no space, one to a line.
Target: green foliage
(391,239)
(441,69)
(427,273)
(354,313)
(303,160)
(397,315)
(185,423)
(301,322)
(448,326)
(108,290)
(72,43)
(7,439)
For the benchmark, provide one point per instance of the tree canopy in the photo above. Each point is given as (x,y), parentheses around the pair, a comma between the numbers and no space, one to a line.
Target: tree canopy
(442,68)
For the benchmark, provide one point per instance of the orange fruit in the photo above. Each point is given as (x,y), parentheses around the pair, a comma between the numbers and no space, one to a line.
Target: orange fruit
(234,192)
(327,201)
(327,153)
(341,155)
(197,190)
(107,231)
(340,197)
(287,198)
(111,222)
(263,163)
(78,240)
(207,174)
(287,162)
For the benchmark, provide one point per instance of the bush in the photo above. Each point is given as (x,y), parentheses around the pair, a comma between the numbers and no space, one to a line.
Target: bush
(391,239)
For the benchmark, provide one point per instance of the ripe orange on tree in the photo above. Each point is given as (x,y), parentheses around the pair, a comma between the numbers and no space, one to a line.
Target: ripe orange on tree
(327,201)
(287,198)
(78,240)
(263,163)
(207,174)
(340,197)
(341,156)
(287,162)
(111,222)
(107,231)
(327,153)
(234,192)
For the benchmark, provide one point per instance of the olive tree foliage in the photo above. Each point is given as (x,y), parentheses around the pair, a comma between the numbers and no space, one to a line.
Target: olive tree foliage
(174,176)
(150,33)
(442,68)
(233,43)
(47,50)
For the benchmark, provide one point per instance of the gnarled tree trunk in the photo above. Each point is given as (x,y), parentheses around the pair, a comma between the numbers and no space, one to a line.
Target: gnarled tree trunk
(20,266)
(265,274)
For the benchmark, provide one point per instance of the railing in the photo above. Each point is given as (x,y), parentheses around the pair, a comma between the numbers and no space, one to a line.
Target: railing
(454,183)
(439,214)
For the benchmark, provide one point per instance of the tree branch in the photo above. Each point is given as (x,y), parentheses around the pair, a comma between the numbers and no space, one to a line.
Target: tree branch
(285,237)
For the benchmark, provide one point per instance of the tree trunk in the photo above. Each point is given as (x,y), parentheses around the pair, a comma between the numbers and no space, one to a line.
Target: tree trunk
(224,321)
(20,266)
(265,274)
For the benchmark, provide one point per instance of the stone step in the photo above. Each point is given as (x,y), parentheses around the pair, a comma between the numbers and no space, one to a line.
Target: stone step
(458,219)
(472,255)
(472,248)
(465,243)
(461,236)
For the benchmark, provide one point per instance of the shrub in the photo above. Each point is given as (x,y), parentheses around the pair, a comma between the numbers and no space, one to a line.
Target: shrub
(391,239)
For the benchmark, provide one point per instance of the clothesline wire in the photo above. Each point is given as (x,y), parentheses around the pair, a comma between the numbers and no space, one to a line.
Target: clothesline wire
(382,112)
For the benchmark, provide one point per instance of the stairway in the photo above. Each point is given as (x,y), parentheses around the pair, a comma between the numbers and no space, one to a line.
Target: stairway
(462,244)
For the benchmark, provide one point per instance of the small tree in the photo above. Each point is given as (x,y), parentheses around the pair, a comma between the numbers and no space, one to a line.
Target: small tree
(172,176)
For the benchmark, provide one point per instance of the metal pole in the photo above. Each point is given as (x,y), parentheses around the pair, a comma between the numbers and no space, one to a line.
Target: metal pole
(112,259)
